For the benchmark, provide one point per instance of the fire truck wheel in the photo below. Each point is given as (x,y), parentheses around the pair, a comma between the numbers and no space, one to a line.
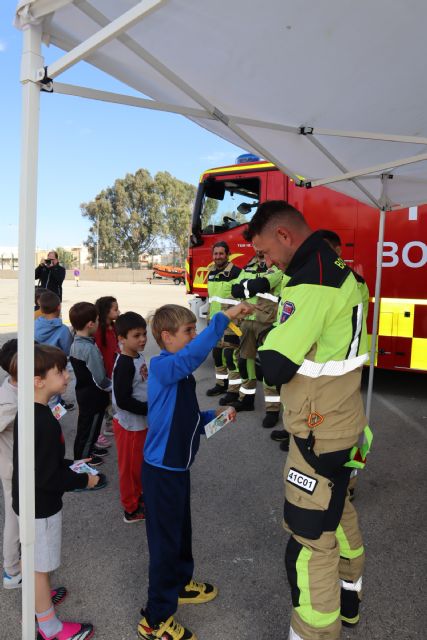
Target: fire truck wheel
(177,280)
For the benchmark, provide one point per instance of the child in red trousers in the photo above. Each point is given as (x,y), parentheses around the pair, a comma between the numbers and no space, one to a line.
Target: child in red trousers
(130,410)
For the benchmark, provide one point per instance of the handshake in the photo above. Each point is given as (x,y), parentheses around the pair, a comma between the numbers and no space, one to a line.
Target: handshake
(239,311)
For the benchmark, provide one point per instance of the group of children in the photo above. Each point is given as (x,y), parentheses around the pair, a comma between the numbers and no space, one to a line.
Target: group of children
(106,356)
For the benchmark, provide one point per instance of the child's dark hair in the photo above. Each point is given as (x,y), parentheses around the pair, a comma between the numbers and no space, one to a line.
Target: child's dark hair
(7,351)
(37,293)
(49,302)
(103,306)
(81,313)
(46,358)
(128,321)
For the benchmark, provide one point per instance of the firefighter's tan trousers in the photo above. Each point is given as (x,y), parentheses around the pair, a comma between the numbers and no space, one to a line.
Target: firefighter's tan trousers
(248,349)
(325,552)
(225,355)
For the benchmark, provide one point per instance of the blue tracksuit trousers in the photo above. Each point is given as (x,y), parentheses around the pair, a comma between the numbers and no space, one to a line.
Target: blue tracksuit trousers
(168,526)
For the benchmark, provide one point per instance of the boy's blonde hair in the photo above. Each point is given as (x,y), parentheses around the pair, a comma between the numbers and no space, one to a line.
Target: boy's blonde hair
(169,317)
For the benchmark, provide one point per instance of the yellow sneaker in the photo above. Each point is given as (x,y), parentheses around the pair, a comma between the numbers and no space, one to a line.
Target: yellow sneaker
(169,630)
(197,593)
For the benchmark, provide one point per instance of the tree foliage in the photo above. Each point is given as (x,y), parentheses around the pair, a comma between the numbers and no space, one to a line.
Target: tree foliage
(65,257)
(137,214)
(127,217)
(177,200)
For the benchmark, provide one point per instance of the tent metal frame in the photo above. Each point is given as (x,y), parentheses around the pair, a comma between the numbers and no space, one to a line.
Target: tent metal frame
(36,77)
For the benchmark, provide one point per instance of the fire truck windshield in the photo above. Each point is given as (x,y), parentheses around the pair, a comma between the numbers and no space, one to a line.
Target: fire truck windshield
(224,204)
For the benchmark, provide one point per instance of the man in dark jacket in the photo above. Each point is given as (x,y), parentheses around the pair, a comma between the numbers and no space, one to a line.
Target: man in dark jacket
(51,274)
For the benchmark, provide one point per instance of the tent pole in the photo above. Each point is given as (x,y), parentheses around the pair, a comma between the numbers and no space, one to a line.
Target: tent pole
(376,312)
(30,62)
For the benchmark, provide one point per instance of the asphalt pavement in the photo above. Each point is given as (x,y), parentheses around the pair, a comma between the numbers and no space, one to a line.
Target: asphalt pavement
(239,542)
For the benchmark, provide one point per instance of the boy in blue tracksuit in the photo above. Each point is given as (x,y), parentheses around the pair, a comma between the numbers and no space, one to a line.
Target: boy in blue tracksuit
(48,328)
(175,423)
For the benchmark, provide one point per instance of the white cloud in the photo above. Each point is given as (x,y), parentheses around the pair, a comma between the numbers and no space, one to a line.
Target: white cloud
(3,46)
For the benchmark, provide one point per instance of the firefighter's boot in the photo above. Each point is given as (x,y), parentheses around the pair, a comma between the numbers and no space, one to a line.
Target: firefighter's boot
(271,418)
(247,403)
(218,389)
(228,399)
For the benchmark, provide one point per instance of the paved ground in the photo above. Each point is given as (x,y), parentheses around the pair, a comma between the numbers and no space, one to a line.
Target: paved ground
(238,539)
(140,297)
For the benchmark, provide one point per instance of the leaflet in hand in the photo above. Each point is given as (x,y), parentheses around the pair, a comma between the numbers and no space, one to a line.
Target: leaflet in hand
(218,423)
(58,411)
(80,466)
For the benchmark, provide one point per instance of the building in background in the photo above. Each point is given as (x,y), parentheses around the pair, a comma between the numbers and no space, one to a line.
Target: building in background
(9,259)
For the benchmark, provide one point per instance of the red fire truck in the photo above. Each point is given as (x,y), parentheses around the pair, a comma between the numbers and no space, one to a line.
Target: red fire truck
(227,198)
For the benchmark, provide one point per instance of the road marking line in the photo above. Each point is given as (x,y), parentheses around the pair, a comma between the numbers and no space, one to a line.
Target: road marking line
(405,419)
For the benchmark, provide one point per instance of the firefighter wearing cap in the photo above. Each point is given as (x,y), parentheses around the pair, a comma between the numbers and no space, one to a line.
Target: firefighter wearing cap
(259,285)
(221,275)
(316,352)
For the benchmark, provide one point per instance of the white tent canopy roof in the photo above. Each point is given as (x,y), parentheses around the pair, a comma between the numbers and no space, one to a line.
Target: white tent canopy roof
(255,73)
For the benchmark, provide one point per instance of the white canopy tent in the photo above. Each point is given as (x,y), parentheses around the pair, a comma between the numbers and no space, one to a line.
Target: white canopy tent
(329,90)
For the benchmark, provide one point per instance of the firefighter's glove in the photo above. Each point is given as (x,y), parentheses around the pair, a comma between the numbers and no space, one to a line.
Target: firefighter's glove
(249,288)
(237,291)
(256,286)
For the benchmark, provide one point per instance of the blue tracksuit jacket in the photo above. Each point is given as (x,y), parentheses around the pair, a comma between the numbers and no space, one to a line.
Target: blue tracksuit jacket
(174,418)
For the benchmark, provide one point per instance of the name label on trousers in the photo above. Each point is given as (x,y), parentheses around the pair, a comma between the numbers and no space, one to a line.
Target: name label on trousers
(300,480)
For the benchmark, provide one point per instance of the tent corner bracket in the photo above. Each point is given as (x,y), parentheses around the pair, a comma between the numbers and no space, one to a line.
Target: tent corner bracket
(43,79)
(306,131)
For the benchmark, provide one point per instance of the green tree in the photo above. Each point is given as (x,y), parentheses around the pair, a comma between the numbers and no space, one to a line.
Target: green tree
(177,199)
(65,257)
(210,207)
(129,217)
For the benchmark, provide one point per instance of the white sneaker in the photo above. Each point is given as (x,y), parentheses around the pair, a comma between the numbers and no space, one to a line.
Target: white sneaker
(12,582)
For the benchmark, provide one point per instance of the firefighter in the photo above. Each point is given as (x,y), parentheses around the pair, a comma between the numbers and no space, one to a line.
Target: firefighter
(316,353)
(220,278)
(261,285)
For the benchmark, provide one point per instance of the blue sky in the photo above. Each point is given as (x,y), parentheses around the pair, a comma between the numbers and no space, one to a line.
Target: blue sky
(85,145)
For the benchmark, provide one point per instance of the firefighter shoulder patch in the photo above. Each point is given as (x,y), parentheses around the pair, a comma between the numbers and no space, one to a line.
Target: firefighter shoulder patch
(287,310)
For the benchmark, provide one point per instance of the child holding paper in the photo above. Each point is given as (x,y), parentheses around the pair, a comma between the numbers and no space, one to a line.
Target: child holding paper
(174,427)
(52,477)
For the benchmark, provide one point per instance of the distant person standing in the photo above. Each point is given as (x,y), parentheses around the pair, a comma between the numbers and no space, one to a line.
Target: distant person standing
(51,274)
(76,274)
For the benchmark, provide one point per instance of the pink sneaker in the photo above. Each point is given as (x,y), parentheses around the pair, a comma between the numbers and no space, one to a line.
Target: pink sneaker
(70,631)
(103,441)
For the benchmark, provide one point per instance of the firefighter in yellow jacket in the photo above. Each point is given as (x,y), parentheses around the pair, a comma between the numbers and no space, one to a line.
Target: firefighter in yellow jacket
(316,353)
(220,279)
(261,286)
